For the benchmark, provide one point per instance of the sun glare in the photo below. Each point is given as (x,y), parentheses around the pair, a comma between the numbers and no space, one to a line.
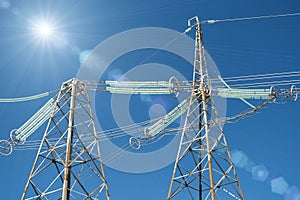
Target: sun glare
(45,30)
(42,29)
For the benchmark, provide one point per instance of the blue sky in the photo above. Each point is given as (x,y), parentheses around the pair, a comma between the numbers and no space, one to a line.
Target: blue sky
(29,66)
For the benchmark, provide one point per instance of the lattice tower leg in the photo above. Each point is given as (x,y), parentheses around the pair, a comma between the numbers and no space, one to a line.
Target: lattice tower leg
(68,164)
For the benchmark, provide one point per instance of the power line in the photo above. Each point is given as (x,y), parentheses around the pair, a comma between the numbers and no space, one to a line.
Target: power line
(27,98)
(213,21)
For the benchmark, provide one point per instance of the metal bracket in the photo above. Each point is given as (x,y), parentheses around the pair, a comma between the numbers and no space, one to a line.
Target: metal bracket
(5,147)
(191,24)
(135,143)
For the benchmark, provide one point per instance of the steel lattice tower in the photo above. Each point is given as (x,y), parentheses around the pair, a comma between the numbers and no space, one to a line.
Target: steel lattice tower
(68,164)
(203,167)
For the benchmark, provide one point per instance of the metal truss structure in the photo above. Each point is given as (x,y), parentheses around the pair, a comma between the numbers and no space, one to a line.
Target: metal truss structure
(203,167)
(68,164)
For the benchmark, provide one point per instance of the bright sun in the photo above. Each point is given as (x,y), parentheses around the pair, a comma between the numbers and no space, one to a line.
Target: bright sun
(42,29)
(45,30)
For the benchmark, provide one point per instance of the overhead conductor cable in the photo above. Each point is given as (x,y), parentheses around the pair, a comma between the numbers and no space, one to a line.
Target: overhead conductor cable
(212,21)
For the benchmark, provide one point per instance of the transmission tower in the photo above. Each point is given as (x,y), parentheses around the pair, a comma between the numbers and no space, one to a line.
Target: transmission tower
(68,164)
(203,168)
